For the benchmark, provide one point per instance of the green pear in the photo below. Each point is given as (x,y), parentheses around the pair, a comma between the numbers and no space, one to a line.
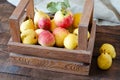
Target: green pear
(109,48)
(29,36)
(28,24)
(104,61)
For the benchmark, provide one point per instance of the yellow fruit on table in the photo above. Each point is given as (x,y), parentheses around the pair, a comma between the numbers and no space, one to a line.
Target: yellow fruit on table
(77,18)
(28,24)
(109,48)
(29,36)
(71,41)
(104,61)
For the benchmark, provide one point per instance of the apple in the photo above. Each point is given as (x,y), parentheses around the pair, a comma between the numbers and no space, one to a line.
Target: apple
(46,38)
(63,18)
(60,33)
(38,31)
(42,20)
(44,23)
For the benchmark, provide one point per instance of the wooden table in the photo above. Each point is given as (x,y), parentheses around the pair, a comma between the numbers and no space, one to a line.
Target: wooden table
(10,72)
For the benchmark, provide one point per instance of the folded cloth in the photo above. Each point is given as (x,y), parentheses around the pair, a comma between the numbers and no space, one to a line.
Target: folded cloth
(106,12)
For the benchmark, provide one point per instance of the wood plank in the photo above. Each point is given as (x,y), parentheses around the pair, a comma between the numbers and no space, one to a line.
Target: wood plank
(113,30)
(49,64)
(30,9)
(84,24)
(50,52)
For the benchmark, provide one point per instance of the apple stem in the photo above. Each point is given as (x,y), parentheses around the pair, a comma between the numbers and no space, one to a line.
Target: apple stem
(64,12)
(36,10)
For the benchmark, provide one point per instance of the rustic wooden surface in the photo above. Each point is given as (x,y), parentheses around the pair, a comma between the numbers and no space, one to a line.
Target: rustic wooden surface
(10,72)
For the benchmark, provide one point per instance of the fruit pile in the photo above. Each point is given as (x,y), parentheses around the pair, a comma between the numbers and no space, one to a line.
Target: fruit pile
(59,31)
(107,53)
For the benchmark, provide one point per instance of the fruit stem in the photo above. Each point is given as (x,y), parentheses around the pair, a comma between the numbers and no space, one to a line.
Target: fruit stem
(64,12)
(36,10)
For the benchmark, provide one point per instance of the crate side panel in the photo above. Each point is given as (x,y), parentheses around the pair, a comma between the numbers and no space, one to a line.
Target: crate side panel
(50,64)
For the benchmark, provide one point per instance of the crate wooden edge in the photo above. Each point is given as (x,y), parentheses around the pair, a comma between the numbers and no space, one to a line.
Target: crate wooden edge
(49,64)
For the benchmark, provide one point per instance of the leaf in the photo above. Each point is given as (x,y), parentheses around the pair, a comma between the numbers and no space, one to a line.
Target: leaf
(56,6)
(61,5)
(67,3)
(52,7)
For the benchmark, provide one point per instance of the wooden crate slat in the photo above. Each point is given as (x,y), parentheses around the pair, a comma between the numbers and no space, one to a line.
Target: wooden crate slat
(50,64)
(50,52)
(84,24)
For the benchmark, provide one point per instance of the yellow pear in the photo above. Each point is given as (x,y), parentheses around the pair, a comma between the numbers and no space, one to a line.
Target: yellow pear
(53,25)
(28,24)
(104,61)
(109,48)
(76,32)
(29,36)
(77,18)
(71,41)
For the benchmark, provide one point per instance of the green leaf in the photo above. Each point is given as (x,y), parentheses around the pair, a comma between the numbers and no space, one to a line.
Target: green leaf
(67,3)
(52,7)
(55,6)
(61,5)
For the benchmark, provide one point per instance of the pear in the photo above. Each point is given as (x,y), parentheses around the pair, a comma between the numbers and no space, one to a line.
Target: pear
(28,24)
(104,61)
(109,48)
(41,19)
(29,36)
(71,41)
(77,19)
(75,31)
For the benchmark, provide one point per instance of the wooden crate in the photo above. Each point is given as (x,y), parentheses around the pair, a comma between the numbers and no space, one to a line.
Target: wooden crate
(76,61)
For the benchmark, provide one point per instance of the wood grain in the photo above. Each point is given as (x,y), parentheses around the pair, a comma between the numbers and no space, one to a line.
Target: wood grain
(50,64)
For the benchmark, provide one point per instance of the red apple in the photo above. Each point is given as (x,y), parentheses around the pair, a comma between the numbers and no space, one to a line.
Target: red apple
(46,38)
(38,31)
(60,33)
(63,18)
(42,20)
(44,23)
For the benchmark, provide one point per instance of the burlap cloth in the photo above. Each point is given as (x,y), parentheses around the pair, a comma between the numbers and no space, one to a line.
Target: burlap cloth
(106,12)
